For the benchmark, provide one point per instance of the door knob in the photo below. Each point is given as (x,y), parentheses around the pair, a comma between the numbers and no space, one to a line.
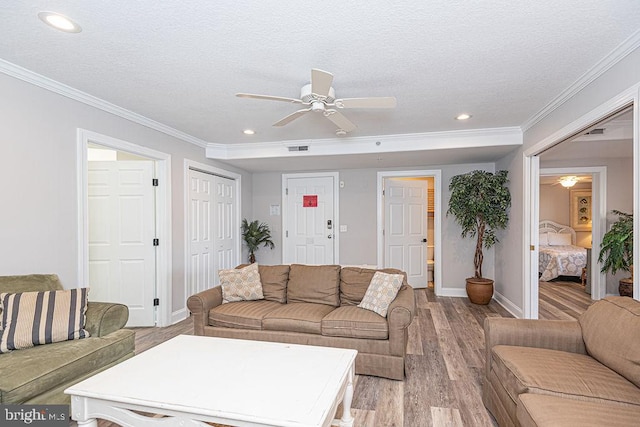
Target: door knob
(424,240)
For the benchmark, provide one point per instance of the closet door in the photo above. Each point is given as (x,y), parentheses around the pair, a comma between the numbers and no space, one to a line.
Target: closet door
(212,229)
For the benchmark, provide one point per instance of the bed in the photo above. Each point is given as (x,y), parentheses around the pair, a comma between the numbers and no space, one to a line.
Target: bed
(558,253)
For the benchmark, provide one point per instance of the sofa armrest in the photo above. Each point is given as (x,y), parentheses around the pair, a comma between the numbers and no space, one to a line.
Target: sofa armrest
(399,316)
(105,317)
(200,304)
(402,308)
(563,335)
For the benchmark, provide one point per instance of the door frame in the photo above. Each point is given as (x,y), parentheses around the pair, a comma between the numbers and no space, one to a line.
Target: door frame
(598,224)
(531,190)
(336,209)
(437,218)
(162,162)
(201,167)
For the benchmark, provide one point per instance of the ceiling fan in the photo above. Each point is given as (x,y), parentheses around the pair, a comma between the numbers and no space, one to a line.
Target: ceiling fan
(320,97)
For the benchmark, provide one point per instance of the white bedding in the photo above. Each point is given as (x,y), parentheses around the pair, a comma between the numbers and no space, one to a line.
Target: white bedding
(557,261)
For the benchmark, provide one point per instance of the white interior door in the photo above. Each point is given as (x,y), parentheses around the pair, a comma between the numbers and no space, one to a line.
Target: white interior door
(405,230)
(212,228)
(201,263)
(309,229)
(225,235)
(122,264)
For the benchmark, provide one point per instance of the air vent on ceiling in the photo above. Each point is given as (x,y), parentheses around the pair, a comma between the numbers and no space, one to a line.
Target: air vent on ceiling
(299,148)
(597,131)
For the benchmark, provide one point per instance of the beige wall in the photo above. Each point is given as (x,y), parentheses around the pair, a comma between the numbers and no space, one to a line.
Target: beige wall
(38,214)
(555,205)
(511,253)
(358,204)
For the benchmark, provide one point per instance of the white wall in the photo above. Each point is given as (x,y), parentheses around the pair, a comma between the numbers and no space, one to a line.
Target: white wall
(617,79)
(358,211)
(38,208)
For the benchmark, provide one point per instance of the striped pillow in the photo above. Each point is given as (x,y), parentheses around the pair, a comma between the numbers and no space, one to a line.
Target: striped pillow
(34,318)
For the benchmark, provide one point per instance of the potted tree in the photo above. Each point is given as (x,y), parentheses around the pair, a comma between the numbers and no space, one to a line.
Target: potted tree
(254,234)
(480,201)
(616,250)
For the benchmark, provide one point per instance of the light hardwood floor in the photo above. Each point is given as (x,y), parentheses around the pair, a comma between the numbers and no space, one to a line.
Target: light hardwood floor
(445,362)
(560,300)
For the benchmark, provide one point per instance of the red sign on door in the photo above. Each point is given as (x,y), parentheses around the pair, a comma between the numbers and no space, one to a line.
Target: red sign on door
(310,201)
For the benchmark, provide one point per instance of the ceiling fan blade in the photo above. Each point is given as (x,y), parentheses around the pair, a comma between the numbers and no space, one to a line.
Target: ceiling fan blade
(321,82)
(269,98)
(380,102)
(291,117)
(339,120)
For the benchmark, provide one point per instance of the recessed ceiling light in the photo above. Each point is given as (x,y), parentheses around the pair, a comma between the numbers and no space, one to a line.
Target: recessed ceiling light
(249,132)
(59,22)
(463,116)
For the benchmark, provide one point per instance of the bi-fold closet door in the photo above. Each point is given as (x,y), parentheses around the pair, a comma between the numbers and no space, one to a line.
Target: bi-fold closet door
(211,228)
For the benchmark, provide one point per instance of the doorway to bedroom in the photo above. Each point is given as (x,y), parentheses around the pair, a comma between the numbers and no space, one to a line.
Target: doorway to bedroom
(575,212)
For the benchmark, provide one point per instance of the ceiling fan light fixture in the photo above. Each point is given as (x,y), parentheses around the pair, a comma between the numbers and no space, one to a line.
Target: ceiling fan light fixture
(59,22)
(568,181)
(463,116)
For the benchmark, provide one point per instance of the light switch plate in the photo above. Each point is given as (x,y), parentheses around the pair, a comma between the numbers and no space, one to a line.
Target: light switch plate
(343,228)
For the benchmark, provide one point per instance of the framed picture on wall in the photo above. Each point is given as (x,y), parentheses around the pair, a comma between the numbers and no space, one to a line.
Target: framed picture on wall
(581,207)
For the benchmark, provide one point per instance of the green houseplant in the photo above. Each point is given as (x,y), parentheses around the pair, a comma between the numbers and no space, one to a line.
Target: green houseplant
(616,250)
(480,202)
(254,234)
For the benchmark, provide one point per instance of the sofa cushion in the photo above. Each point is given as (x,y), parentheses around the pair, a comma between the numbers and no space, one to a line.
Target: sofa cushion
(538,370)
(354,282)
(317,284)
(381,292)
(355,322)
(552,411)
(34,318)
(241,314)
(274,280)
(297,317)
(39,369)
(241,284)
(611,334)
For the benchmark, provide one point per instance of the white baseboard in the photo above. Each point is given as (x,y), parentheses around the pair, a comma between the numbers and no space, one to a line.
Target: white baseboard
(508,305)
(452,292)
(178,316)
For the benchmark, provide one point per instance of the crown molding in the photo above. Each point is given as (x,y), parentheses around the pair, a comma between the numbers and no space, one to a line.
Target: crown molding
(615,56)
(36,79)
(491,137)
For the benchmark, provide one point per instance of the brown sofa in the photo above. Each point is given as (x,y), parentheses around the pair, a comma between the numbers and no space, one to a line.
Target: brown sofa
(566,373)
(314,305)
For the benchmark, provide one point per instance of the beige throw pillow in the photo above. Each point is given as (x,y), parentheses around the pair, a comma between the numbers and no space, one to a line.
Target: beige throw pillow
(241,284)
(34,318)
(381,292)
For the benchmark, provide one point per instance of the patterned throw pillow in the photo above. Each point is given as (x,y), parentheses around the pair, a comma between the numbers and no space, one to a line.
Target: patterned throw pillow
(381,292)
(241,284)
(34,318)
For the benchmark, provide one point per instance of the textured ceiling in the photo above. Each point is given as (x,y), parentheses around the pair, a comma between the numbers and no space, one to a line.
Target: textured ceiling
(180,63)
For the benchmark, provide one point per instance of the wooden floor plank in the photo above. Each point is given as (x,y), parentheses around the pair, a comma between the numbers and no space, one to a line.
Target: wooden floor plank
(446,417)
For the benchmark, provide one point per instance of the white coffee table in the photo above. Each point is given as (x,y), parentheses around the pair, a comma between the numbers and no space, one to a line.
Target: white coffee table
(192,379)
